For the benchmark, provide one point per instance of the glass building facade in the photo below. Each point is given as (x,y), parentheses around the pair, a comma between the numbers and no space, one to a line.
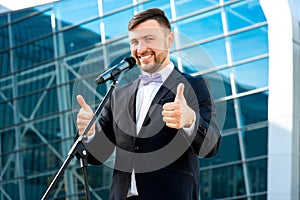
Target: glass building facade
(51,53)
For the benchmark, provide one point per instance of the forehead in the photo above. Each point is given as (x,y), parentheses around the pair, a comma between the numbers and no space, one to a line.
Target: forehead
(150,27)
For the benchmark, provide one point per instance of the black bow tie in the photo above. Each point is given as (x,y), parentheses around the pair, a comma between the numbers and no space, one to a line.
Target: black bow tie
(146,79)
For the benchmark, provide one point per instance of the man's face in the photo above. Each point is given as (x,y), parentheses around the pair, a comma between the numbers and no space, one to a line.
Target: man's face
(150,45)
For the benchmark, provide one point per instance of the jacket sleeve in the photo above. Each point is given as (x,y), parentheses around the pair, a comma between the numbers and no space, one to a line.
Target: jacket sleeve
(207,137)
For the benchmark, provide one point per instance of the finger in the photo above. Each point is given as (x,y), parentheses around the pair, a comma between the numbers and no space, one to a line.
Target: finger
(180,90)
(172,120)
(175,114)
(82,103)
(171,106)
(173,125)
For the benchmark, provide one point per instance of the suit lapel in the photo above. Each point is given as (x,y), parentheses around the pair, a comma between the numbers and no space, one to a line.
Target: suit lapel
(132,101)
(166,93)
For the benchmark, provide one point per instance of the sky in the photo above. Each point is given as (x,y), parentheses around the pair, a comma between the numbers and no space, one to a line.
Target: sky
(20,4)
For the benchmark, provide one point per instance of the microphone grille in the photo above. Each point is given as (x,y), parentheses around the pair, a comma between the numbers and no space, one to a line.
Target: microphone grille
(131,61)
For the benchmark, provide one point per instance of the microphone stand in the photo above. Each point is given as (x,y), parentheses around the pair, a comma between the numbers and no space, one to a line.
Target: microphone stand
(78,149)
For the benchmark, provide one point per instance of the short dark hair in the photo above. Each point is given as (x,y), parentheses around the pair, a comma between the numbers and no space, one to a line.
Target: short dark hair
(152,13)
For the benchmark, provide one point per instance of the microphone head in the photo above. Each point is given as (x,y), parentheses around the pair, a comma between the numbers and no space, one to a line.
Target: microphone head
(131,61)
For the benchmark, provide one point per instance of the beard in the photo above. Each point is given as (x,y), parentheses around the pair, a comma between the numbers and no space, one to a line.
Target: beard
(151,67)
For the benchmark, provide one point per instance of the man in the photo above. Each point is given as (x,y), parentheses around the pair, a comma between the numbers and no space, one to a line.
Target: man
(158,128)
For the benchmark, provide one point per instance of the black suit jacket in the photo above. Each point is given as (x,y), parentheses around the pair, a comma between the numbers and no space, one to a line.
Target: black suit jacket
(165,159)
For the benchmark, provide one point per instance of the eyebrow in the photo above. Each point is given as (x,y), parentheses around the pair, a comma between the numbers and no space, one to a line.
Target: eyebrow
(146,36)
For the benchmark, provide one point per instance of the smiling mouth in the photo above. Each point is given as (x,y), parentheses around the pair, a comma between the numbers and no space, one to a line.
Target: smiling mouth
(144,57)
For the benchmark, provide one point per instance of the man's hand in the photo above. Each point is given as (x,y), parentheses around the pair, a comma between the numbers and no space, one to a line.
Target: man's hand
(84,116)
(178,114)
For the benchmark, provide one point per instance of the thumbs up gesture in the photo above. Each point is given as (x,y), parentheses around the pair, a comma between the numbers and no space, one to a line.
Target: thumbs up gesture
(178,114)
(84,116)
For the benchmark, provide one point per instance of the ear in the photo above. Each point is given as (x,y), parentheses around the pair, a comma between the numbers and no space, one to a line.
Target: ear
(170,39)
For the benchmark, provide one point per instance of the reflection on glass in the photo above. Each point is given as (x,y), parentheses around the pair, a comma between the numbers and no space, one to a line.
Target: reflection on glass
(254,108)
(69,13)
(80,37)
(184,7)
(7,141)
(116,24)
(3,20)
(31,28)
(6,111)
(230,120)
(217,50)
(33,102)
(33,53)
(225,74)
(111,5)
(255,142)
(225,153)
(248,44)
(223,182)
(252,75)
(163,4)
(4,40)
(4,63)
(237,17)
(258,175)
(202,26)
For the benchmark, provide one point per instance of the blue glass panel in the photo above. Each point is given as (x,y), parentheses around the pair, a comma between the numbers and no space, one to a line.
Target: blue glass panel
(251,75)
(27,86)
(50,129)
(217,85)
(7,140)
(37,186)
(31,28)
(248,44)
(33,53)
(40,159)
(4,63)
(225,74)
(256,142)
(162,4)
(69,12)
(110,5)
(202,26)
(116,24)
(258,174)
(24,13)
(242,14)
(225,154)
(81,37)
(39,100)
(3,20)
(184,7)
(230,120)
(4,39)
(6,110)
(254,108)
(222,182)
(217,51)
(12,188)
(195,59)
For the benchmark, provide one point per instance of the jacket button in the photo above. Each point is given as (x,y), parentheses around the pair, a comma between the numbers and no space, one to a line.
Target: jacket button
(136,148)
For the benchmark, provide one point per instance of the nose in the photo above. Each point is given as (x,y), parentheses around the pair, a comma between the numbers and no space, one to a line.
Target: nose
(142,47)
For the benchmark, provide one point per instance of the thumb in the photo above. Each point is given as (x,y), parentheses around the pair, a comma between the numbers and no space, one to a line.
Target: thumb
(180,90)
(82,103)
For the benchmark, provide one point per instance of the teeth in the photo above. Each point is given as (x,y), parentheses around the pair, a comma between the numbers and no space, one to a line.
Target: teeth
(145,57)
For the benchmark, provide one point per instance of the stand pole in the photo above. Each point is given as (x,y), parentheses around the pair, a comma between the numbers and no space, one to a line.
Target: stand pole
(79,149)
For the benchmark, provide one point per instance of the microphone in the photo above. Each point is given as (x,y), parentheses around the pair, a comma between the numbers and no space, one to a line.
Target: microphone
(126,63)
